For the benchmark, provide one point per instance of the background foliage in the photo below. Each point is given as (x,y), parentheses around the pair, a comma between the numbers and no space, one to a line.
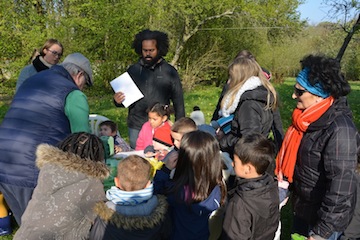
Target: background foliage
(205,35)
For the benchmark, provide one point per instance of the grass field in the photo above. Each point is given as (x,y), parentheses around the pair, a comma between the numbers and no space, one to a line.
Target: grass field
(206,98)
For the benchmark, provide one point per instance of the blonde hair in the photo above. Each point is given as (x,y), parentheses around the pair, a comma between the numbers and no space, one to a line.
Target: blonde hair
(240,70)
(134,173)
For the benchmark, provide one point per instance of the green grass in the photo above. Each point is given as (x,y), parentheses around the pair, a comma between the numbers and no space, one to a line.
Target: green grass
(101,102)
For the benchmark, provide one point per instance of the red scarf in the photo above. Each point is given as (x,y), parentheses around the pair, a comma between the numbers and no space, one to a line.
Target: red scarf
(301,119)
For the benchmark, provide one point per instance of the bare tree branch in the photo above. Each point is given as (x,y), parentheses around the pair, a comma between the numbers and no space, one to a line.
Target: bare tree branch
(188,33)
(345,9)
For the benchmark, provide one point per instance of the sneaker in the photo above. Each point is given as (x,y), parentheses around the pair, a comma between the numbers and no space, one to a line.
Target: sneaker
(4,232)
(5,226)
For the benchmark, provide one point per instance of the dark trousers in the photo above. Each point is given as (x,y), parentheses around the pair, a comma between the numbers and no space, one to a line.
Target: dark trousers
(17,199)
(133,135)
(353,230)
(301,227)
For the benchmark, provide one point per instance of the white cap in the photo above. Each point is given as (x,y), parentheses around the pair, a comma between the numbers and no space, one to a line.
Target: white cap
(82,62)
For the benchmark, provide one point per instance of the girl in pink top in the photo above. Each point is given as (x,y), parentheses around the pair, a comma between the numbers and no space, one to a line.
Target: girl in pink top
(158,117)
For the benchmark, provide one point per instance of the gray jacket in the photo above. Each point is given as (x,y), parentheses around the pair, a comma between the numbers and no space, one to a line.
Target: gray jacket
(62,203)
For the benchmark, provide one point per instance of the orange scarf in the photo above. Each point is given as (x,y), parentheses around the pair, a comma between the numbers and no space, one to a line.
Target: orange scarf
(301,119)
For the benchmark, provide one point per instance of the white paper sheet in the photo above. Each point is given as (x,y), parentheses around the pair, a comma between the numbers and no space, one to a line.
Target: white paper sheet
(126,85)
(125,154)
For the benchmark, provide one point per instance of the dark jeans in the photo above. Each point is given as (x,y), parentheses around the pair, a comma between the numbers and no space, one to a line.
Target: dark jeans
(17,199)
(133,135)
(302,228)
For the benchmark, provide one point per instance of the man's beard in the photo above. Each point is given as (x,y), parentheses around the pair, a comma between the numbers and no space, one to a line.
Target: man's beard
(150,61)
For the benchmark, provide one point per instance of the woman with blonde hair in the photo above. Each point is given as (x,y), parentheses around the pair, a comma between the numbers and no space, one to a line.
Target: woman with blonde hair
(251,98)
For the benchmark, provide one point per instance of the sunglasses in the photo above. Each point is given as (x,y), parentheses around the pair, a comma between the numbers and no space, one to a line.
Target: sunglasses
(55,53)
(298,92)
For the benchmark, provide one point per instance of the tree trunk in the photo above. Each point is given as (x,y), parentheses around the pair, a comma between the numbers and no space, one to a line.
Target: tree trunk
(347,39)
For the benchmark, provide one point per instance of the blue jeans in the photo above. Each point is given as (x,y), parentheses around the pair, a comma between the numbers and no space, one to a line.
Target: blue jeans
(302,228)
(283,193)
(133,135)
(335,236)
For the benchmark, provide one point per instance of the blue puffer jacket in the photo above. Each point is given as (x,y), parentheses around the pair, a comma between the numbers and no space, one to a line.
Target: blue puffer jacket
(36,115)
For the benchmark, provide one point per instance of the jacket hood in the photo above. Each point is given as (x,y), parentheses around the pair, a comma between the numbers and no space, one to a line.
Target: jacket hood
(71,162)
(210,204)
(252,189)
(259,94)
(157,216)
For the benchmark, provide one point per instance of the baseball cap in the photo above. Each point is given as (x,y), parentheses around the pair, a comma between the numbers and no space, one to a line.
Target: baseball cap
(82,62)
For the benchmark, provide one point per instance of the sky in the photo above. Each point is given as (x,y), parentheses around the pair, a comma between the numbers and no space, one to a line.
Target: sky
(314,11)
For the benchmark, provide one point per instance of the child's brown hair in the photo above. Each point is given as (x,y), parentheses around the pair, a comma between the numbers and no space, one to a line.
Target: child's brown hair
(184,125)
(161,109)
(133,172)
(199,167)
(112,125)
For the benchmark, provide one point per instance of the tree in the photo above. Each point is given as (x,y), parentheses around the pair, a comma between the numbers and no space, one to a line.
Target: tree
(349,9)
(348,38)
(103,30)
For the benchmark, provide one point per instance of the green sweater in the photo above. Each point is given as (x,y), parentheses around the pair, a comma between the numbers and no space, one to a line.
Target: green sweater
(77,111)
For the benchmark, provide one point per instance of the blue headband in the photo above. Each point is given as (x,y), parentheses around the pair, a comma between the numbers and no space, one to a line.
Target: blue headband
(316,89)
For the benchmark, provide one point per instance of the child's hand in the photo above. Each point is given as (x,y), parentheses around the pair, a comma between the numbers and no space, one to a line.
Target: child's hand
(219,134)
(118,149)
(171,161)
(150,154)
(280,176)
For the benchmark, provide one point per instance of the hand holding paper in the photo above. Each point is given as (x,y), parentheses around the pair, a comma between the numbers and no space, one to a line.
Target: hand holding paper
(125,84)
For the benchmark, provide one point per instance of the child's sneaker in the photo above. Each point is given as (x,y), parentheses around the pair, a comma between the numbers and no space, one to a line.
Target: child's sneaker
(5,226)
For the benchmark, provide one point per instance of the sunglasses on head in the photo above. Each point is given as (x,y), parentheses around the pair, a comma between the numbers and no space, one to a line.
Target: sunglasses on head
(298,92)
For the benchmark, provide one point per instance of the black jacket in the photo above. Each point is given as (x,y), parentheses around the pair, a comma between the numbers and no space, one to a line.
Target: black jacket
(158,83)
(114,225)
(324,176)
(250,116)
(253,209)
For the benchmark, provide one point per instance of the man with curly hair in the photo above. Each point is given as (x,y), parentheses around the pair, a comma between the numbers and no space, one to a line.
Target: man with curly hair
(156,79)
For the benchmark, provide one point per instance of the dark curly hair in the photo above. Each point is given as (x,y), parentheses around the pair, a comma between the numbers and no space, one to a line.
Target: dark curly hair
(86,145)
(327,72)
(161,109)
(162,41)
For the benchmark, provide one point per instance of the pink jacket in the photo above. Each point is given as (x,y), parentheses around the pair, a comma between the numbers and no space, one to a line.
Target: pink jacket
(146,135)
